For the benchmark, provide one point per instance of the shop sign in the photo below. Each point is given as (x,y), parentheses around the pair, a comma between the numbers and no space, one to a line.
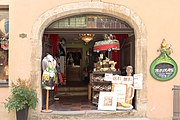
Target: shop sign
(164,68)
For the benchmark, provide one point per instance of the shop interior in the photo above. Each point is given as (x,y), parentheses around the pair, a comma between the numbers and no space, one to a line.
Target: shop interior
(77,59)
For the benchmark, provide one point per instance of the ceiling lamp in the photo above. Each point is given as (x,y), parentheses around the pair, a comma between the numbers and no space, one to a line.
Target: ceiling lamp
(87,37)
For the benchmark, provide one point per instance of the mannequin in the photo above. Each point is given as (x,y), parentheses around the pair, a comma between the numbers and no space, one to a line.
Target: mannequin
(48,78)
(49,70)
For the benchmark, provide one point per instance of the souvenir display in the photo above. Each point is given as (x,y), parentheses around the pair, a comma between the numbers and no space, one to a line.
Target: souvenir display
(4,29)
(4,34)
(3,67)
(99,84)
(109,43)
(106,78)
(106,65)
(112,81)
(4,46)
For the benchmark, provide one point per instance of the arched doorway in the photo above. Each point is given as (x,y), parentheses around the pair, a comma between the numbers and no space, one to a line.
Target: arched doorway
(78,60)
(118,11)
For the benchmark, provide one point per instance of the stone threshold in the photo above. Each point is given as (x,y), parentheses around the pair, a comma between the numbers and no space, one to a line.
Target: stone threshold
(90,115)
(87,112)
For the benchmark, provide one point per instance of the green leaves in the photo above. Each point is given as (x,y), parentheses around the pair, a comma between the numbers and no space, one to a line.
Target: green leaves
(23,94)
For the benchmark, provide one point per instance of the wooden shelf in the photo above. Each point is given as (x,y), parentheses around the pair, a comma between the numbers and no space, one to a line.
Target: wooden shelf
(95,103)
(101,90)
(100,72)
(101,83)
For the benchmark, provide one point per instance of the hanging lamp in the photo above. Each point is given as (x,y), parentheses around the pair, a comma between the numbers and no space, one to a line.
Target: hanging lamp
(87,37)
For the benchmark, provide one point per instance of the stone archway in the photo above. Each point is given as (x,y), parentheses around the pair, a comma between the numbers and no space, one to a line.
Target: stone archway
(118,11)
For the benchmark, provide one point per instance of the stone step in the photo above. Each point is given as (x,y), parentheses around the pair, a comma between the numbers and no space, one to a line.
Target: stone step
(89,115)
(65,89)
(99,119)
(72,93)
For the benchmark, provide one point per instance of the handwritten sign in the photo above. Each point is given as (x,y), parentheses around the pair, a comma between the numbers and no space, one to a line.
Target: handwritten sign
(138,81)
(120,90)
(127,80)
(122,79)
(117,79)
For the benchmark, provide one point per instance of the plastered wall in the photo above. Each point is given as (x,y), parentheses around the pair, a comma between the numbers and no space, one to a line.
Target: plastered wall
(161,19)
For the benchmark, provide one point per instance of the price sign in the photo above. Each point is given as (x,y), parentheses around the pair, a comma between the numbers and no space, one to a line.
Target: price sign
(108,77)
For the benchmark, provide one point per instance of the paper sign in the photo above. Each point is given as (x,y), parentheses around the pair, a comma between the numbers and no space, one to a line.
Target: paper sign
(108,77)
(127,80)
(120,90)
(122,79)
(138,78)
(117,79)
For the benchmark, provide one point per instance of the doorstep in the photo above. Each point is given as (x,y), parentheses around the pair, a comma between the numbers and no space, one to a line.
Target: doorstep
(89,115)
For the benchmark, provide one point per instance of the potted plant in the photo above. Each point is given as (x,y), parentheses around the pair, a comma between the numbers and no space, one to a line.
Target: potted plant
(23,96)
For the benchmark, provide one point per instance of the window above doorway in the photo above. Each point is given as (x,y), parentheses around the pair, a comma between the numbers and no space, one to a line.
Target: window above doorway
(93,23)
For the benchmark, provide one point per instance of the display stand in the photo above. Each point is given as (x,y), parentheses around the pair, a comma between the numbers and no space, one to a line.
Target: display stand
(49,68)
(47,103)
(98,84)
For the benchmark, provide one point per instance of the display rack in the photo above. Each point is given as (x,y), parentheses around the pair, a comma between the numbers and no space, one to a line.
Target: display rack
(98,84)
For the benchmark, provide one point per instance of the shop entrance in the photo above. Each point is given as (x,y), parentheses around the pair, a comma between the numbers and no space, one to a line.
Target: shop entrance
(78,58)
(114,10)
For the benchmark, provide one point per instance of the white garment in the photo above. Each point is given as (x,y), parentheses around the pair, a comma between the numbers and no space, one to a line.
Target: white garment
(46,60)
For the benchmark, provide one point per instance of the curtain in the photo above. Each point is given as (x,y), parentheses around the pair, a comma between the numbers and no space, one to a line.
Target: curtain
(116,53)
(54,39)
